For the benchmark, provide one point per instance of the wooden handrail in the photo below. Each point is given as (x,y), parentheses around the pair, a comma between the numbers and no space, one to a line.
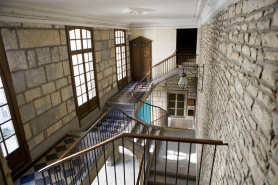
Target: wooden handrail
(142,136)
(133,93)
(95,124)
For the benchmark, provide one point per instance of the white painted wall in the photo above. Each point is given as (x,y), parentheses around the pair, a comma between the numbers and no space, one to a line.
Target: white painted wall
(164,42)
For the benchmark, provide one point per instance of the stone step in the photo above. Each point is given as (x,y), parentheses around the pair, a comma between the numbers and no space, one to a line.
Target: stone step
(172,167)
(160,180)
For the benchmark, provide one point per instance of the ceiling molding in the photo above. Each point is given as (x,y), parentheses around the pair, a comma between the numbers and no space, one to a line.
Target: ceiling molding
(26,12)
(32,13)
(169,25)
(212,8)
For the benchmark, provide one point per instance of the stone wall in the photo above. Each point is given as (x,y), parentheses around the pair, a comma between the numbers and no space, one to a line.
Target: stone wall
(38,58)
(159,93)
(238,104)
(106,60)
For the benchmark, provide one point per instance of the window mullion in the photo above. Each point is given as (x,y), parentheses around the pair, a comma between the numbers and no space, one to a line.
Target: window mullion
(85,75)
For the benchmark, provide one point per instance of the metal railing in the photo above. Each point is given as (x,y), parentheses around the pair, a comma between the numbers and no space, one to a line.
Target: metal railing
(157,115)
(84,167)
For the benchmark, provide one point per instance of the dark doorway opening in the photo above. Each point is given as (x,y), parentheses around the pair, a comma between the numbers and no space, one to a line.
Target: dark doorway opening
(187,41)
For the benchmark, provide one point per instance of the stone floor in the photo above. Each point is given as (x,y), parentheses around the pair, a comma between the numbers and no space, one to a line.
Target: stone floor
(32,176)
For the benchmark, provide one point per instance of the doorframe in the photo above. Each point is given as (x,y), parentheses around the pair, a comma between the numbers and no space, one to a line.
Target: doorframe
(124,85)
(12,101)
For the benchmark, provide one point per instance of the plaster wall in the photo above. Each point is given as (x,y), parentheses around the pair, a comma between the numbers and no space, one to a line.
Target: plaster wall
(164,42)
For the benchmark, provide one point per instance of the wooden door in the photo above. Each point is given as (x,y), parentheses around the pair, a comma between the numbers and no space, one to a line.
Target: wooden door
(145,61)
(12,137)
(141,55)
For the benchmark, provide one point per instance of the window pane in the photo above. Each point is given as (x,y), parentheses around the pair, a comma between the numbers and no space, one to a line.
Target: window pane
(4,114)
(79,99)
(85,46)
(94,92)
(84,35)
(90,95)
(77,33)
(11,144)
(82,79)
(90,56)
(3,150)
(84,98)
(3,99)
(78,44)
(89,85)
(89,43)
(87,67)
(78,91)
(83,87)
(88,34)
(72,35)
(81,69)
(86,57)
(72,45)
(77,81)
(74,59)
(171,104)
(7,129)
(80,60)
(180,112)
(180,104)
(75,70)
(1,84)
(172,97)
(180,97)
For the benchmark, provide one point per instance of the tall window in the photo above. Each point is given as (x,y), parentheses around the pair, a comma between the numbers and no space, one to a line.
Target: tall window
(12,138)
(176,105)
(83,69)
(120,42)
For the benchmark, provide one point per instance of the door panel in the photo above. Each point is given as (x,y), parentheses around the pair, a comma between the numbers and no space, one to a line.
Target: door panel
(136,63)
(145,61)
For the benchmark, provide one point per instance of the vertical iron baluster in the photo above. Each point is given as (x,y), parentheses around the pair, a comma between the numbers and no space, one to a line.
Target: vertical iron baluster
(188,164)
(50,178)
(114,163)
(43,178)
(154,162)
(105,164)
(64,173)
(80,173)
(96,165)
(133,161)
(212,165)
(166,163)
(201,163)
(56,176)
(71,173)
(59,176)
(88,168)
(177,163)
(123,157)
(144,160)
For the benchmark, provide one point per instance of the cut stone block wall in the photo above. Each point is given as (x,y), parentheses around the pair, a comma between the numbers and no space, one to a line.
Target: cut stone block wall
(106,60)
(38,59)
(238,104)
(159,93)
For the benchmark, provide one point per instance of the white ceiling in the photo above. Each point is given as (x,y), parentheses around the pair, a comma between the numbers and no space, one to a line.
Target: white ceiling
(166,13)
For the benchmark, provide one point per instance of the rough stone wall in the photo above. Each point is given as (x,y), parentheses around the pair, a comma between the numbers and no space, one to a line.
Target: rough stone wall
(238,104)
(38,59)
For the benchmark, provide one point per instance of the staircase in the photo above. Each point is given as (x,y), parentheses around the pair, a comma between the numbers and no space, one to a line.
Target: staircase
(119,148)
